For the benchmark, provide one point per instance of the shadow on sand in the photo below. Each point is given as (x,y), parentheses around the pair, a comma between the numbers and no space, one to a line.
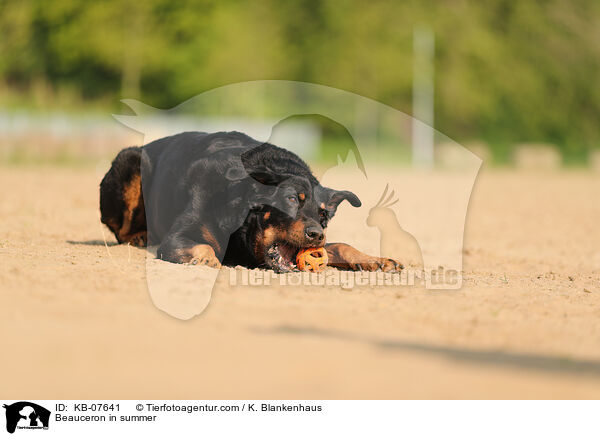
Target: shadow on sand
(96,242)
(527,361)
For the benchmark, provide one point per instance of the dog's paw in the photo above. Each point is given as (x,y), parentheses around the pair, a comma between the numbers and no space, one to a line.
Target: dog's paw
(390,265)
(204,255)
(139,239)
(211,261)
(371,263)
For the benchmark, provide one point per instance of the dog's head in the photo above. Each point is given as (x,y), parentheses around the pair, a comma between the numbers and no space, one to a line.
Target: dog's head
(291,215)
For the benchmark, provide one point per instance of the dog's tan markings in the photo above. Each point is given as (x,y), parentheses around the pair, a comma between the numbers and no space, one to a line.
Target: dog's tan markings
(344,256)
(263,240)
(302,196)
(297,226)
(295,234)
(210,238)
(267,216)
(270,235)
(132,196)
(201,254)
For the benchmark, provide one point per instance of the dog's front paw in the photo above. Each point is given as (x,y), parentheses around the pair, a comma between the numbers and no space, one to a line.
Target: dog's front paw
(390,265)
(371,263)
(204,255)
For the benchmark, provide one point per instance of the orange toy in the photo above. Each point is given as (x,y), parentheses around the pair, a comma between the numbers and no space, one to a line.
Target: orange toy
(312,259)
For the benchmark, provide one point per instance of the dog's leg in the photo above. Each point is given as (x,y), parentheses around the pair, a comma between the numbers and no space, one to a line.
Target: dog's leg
(192,242)
(178,248)
(343,256)
(195,237)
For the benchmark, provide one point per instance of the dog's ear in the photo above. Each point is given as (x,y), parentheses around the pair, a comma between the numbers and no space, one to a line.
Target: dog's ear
(267,176)
(330,199)
(338,196)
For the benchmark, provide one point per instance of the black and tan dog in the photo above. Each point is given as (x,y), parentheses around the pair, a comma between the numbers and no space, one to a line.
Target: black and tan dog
(224,198)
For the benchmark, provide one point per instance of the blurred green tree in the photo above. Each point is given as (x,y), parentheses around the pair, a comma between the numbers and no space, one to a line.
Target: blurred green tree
(506,71)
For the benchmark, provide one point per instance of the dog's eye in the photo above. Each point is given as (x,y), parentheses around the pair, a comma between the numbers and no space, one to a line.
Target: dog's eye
(293,199)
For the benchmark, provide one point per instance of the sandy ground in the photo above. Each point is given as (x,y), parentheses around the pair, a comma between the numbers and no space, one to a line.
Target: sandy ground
(77,320)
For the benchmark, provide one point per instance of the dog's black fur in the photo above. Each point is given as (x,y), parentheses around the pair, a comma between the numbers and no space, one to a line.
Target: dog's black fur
(224,198)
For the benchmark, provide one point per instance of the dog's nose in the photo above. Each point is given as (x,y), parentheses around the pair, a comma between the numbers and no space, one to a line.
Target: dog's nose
(314,234)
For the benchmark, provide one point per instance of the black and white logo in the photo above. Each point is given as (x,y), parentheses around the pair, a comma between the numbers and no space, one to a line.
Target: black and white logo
(26,415)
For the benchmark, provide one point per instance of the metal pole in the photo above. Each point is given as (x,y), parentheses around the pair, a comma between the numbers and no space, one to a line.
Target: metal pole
(423,97)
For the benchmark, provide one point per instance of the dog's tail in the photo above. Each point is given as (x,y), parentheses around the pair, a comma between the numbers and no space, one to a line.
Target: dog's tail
(122,200)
